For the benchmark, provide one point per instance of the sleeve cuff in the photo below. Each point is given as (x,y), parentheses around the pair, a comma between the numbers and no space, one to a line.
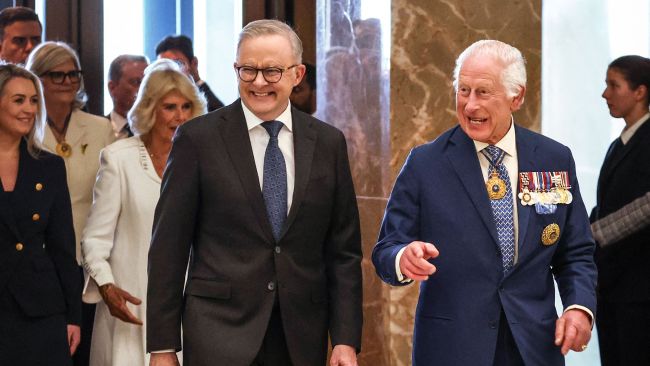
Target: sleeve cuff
(400,276)
(580,307)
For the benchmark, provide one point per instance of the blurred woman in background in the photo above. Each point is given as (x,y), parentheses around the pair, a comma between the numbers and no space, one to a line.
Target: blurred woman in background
(40,287)
(116,239)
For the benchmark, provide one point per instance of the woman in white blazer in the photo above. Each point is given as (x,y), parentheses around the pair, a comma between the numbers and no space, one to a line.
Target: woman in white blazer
(73,134)
(116,238)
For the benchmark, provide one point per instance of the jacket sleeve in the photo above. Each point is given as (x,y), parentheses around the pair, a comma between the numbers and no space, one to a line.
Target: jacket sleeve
(173,234)
(400,224)
(573,263)
(343,256)
(99,233)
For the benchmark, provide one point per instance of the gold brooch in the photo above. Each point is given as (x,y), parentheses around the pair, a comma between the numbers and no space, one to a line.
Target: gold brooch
(64,149)
(551,234)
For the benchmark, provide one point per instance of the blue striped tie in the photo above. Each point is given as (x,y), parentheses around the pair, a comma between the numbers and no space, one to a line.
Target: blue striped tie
(502,209)
(274,186)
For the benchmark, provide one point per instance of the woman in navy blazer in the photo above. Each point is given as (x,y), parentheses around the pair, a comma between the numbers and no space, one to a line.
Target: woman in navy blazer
(40,286)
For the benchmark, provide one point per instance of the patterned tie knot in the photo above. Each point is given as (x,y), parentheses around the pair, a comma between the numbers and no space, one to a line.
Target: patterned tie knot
(494,154)
(272,127)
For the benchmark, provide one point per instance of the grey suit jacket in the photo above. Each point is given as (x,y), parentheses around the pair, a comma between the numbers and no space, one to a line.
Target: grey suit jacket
(211,203)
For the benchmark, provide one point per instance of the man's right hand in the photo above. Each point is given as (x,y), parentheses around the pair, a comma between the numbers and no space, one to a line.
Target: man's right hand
(414,262)
(163,359)
(116,298)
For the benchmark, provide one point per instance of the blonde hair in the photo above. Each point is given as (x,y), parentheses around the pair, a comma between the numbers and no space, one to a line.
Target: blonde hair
(160,78)
(49,55)
(9,72)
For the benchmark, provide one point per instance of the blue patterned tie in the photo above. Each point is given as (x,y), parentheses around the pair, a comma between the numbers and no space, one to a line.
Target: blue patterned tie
(274,187)
(502,209)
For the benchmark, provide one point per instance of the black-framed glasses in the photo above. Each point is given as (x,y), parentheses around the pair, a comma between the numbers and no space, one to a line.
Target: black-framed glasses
(271,74)
(58,77)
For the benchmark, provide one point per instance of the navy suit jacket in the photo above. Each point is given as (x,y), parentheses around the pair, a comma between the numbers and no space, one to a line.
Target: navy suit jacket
(440,197)
(37,244)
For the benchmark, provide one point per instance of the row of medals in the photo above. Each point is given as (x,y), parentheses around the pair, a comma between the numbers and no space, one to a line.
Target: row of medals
(496,189)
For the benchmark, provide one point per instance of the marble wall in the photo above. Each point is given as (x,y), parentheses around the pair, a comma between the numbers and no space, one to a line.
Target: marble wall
(385,81)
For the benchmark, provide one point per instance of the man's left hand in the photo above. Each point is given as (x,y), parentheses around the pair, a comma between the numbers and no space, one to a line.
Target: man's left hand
(573,331)
(343,355)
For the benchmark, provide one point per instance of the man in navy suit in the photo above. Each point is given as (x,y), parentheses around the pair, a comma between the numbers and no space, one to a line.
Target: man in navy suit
(485,217)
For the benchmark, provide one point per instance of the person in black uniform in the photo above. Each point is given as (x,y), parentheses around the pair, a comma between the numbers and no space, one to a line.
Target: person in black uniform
(40,286)
(623,316)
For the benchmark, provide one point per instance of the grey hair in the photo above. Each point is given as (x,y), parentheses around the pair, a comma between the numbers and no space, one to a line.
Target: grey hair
(160,78)
(49,55)
(513,76)
(9,72)
(266,27)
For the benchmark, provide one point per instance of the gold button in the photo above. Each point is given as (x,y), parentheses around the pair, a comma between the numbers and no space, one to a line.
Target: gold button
(36,217)
(19,246)
(39,186)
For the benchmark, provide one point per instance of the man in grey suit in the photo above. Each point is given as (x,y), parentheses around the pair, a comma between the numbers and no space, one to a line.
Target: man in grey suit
(262,196)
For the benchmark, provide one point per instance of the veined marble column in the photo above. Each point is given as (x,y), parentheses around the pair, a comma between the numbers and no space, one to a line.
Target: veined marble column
(385,79)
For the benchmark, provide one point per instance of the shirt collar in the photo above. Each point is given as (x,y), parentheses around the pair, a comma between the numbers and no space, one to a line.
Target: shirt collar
(507,143)
(253,121)
(118,121)
(627,134)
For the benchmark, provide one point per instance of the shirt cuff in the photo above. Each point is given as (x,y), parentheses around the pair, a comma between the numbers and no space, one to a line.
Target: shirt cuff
(580,307)
(164,351)
(400,276)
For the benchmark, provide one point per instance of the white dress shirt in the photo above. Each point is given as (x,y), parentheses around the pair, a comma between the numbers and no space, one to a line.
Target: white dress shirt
(118,122)
(260,139)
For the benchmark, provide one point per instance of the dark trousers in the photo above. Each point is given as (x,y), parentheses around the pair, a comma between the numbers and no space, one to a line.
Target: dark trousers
(623,333)
(506,353)
(82,356)
(274,351)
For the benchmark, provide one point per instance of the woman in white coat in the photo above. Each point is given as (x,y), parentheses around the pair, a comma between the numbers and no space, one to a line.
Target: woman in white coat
(116,238)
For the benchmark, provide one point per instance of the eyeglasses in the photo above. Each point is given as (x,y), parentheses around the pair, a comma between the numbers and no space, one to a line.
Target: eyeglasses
(58,77)
(271,74)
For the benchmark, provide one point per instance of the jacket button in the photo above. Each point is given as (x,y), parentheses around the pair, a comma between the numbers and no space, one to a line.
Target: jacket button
(493,325)
(278,250)
(39,186)
(271,286)
(19,246)
(36,217)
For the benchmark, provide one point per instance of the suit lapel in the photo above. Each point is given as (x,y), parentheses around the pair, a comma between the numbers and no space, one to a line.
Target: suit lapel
(526,163)
(22,181)
(304,141)
(464,159)
(76,130)
(238,145)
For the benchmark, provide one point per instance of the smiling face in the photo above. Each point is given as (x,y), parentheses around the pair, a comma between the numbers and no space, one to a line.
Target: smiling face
(64,93)
(483,107)
(268,100)
(18,107)
(171,111)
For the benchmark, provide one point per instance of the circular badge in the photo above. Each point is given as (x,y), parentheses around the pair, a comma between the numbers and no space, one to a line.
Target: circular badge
(551,234)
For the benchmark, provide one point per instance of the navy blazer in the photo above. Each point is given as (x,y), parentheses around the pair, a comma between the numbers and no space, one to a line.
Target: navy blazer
(440,197)
(37,251)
